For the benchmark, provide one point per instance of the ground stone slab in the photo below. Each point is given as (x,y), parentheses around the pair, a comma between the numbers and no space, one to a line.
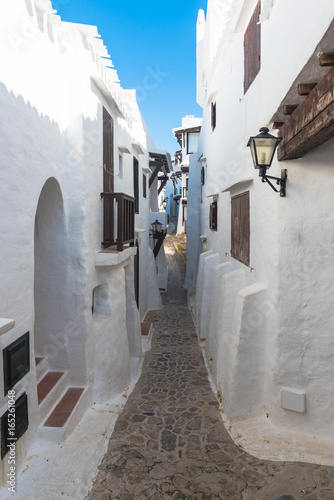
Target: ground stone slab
(170,442)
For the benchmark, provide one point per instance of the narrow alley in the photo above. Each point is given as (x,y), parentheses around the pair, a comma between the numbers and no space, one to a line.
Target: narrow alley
(170,441)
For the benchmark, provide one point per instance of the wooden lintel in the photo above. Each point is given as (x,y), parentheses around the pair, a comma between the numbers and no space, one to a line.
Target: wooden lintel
(312,123)
(278,125)
(288,109)
(305,88)
(326,59)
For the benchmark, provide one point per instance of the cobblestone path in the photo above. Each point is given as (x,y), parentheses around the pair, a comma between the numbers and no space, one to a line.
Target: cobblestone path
(170,443)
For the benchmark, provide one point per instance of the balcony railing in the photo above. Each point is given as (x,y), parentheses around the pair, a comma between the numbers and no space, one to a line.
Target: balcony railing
(118,220)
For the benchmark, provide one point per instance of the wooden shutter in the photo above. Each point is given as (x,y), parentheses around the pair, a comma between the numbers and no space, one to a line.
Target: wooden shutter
(136,184)
(108,152)
(252,48)
(240,228)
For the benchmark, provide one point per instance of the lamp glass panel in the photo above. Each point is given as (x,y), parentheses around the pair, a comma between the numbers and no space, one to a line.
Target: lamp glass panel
(253,152)
(265,149)
(156,226)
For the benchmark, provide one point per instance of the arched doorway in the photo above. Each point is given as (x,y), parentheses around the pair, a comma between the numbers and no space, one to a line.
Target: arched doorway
(50,277)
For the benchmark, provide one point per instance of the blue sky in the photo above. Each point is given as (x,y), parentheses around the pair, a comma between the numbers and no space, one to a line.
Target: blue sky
(153,47)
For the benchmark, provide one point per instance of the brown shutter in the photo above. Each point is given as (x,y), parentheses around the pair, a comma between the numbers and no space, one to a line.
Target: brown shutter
(252,48)
(108,152)
(240,228)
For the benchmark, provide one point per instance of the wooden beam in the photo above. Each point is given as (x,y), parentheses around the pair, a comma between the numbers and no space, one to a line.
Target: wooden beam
(326,59)
(154,174)
(155,163)
(305,88)
(278,125)
(163,184)
(288,109)
(312,123)
(158,245)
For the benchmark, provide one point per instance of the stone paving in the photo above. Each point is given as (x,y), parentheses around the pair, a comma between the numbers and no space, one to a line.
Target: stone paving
(170,442)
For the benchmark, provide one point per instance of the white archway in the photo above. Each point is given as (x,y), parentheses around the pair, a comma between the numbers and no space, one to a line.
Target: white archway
(50,277)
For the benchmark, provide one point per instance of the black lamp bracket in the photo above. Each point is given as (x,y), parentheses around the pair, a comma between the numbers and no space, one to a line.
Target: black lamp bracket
(280,181)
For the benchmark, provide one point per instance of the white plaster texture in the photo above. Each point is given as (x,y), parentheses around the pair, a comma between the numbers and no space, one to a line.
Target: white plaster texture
(291,240)
(51,177)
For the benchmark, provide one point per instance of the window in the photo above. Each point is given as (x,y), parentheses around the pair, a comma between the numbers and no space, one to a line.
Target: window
(213,116)
(202,176)
(252,48)
(108,152)
(136,184)
(192,142)
(214,216)
(240,228)
(144,186)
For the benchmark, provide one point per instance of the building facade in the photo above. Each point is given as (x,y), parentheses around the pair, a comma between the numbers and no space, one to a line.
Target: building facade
(265,278)
(77,272)
(187,136)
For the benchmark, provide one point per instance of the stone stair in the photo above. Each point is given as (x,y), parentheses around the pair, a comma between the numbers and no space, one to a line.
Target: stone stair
(60,405)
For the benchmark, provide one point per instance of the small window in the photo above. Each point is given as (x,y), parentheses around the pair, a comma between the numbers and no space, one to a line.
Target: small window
(240,228)
(202,176)
(144,186)
(192,142)
(213,116)
(252,48)
(214,216)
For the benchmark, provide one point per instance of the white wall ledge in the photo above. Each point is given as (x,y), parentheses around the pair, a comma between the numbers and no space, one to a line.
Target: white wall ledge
(238,184)
(6,325)
(105,258)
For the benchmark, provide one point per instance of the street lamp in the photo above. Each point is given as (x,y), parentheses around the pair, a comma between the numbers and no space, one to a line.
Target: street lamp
(159,235)
(156,226)
(263,147)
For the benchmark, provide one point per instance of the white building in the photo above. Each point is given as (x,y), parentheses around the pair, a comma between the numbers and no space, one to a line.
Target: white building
(264,296)
(76,270)
(187,136)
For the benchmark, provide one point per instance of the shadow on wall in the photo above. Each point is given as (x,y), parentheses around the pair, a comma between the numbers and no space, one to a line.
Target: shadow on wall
(42,173)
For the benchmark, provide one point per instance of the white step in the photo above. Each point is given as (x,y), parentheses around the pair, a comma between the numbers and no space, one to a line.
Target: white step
(59,434)
(52,398)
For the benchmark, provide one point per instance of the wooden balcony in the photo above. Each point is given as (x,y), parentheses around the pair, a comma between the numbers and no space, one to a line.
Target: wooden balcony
(118,220)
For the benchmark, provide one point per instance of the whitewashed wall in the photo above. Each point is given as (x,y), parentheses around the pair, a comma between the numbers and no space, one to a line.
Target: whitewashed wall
(270,329)
(53,87)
